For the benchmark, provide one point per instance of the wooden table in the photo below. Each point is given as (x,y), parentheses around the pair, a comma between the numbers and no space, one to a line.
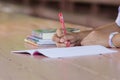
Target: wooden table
(14,28)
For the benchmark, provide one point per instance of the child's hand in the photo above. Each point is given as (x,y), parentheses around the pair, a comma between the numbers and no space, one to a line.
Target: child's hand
(61,39)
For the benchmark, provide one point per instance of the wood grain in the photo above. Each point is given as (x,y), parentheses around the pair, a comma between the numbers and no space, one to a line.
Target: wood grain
(14,28)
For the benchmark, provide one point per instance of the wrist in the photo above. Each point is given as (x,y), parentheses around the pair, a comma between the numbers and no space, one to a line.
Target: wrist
(83,34)
(112,39)
(116,40)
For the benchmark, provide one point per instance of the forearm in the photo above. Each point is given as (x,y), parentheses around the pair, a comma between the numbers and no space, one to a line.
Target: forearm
(81,35)
(96,38)
(113,27)
(107,30)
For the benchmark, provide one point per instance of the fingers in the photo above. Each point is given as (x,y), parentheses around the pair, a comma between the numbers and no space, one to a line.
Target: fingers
(55,38)
(64,45)
(60,39)
(60,44)
(71,37)
(59,32)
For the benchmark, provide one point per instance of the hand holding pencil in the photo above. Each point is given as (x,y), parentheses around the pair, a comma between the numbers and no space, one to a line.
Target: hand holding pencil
(60,39)
(63,38)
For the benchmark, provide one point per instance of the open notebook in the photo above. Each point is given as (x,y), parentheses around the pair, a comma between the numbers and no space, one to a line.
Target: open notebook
(69,51)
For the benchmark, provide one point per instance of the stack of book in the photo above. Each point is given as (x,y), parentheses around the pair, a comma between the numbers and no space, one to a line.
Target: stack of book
(43,37)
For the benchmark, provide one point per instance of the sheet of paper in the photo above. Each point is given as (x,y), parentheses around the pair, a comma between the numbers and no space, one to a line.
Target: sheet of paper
(70,51)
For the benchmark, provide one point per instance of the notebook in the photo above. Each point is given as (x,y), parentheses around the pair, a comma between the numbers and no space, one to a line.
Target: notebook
(69,51)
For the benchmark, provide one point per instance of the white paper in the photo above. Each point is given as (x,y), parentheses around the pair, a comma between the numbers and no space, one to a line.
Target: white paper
(45,41)
(70,51)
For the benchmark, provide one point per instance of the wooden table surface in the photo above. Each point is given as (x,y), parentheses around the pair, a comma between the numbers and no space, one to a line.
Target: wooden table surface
(14,28)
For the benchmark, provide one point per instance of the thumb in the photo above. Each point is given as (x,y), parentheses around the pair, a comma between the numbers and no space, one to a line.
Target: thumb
(59,32)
